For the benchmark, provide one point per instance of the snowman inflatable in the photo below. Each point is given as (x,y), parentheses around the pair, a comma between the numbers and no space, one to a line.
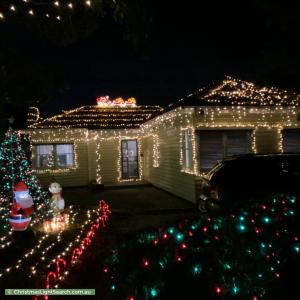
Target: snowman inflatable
(22,208)
(57,202)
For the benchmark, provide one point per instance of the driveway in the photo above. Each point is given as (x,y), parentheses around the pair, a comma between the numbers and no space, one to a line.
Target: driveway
(133,209)
(140,206)
(137,198)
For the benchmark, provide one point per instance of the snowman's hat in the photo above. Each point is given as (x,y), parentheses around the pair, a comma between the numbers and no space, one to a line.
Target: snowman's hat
(21,187)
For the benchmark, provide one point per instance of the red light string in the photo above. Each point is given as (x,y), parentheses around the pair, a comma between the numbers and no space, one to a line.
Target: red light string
(64,263)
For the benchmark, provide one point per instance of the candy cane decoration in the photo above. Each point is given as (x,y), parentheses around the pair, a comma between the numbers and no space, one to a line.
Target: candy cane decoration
(86,242)
(60,262)
(76,254)
(48,278)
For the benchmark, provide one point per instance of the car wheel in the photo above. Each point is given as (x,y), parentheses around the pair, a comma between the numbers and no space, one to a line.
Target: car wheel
(201,205)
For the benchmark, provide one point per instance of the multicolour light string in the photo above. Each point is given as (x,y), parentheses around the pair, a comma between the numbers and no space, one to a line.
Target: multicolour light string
(16,166)
(236,256)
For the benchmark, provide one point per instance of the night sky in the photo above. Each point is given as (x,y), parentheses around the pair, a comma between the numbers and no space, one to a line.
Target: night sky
(183,47)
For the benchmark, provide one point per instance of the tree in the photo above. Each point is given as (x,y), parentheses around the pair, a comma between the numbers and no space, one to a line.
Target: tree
(15,166)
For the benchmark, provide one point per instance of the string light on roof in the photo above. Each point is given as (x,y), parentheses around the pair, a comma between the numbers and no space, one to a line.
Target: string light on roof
(107,114)
(237,92)
(34,8)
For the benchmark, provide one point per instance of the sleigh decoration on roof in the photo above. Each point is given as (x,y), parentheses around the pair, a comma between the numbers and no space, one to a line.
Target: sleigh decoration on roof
(104,101)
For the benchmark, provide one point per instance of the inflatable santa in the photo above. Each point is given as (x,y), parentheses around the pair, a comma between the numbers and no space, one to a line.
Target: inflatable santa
(22,207)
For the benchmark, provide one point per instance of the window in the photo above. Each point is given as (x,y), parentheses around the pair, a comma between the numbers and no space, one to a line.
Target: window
(218,144)
(64,155)
(291,140)
(44,156)
(187,150)
(54,156)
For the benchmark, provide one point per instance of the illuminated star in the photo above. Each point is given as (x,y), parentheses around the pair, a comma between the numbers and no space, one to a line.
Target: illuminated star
(11,120)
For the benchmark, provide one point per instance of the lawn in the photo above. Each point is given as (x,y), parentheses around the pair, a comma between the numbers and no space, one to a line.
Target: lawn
(25,262)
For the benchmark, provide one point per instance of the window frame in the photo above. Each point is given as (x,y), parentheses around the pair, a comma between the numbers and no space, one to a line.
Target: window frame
(55,157)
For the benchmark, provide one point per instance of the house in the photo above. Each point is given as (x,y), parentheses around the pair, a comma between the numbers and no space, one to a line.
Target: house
(113,143)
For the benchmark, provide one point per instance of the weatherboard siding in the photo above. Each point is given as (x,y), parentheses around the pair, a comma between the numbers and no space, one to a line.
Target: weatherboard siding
(267,140)
(92,160)
(109,155)
(168,175)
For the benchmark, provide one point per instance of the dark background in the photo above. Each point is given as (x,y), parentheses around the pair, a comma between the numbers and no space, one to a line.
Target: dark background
(155,51)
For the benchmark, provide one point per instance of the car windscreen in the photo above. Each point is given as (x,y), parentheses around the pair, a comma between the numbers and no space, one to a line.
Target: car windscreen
(257,169)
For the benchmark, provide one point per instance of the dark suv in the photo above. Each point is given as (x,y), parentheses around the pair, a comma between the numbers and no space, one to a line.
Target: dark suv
(237,180)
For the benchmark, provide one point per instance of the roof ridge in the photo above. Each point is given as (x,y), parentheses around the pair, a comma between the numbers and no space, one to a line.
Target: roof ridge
(60,114)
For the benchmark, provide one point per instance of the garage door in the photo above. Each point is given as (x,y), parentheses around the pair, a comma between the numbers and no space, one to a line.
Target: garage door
(218,144)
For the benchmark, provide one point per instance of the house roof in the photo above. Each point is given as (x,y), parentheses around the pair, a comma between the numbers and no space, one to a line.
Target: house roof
(234,92)
(95,117)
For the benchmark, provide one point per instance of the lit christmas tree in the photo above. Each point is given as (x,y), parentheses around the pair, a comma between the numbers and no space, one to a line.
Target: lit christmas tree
(16,167)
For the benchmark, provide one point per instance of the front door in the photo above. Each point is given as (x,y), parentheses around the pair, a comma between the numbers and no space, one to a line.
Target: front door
(129,159)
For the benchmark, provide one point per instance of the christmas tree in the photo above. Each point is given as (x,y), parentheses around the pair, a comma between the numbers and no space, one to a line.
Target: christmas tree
(16,167)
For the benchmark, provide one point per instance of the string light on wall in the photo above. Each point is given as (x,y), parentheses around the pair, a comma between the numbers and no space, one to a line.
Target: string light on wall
(280,139)
(194,167)
(156,151)
(46,137)
(253,141)
(98,161)
(140,164)
(50,165)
